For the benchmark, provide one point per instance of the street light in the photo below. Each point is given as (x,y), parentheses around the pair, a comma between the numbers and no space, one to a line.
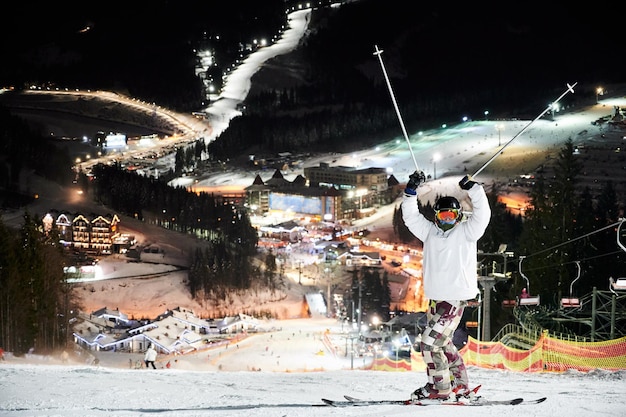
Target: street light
(436,157)
(358,193)
(375,322)
(599,92)
(352,337)
(396,344)
(499,128)
(329,271)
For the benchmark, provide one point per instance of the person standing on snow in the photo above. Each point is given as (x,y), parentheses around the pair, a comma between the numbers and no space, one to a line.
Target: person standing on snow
(150,356)
(450,279)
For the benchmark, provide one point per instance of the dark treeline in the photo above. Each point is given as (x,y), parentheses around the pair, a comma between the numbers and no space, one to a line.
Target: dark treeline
(175,208)
(224,264)
(566,224)
(370,287)
(36,302)
(24,149)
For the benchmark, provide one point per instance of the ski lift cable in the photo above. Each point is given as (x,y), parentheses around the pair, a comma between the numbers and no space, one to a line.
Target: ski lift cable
(556,265)
(575,239)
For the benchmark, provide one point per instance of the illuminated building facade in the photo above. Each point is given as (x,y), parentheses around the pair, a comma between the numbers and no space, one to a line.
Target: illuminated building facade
(332,194)
(95,233)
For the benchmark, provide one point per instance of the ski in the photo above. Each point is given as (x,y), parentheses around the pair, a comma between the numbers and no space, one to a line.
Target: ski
(471,400)
(354,402)
(535,401)
(359,403)
(470,396)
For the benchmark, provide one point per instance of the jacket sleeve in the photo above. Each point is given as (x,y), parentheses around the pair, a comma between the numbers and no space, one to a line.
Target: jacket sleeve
(413,219)
(481,213)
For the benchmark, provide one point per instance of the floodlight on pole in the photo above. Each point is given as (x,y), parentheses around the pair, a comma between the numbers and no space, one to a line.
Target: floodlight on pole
(436,157)
(499,128)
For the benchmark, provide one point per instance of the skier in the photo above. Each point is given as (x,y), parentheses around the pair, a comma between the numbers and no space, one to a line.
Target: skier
(150,356)
(450,280)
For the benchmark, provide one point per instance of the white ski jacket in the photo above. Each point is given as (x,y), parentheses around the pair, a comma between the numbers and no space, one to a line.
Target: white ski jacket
(150,355)
(449,266)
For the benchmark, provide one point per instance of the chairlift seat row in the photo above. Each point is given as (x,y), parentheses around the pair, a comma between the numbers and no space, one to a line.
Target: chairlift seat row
(570,302)
(565,302)
(529,301)
(509,303)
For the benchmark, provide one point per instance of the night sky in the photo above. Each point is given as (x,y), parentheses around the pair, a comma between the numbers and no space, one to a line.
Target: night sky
(146,47)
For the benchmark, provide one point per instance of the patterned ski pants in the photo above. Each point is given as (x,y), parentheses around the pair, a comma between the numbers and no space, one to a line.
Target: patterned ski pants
(441,357)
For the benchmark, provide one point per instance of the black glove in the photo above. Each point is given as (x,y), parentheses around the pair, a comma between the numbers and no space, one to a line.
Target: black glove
(415,179)
(466,183)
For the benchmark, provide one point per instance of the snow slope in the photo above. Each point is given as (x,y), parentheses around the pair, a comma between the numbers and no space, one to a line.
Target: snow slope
(39,386)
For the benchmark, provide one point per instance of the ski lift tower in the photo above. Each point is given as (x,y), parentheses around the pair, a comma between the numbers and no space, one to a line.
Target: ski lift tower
(487,283)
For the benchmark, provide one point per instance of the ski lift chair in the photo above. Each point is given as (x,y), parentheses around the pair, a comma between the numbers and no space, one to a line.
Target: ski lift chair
(618,284)
(571,301)
(509,303)
(530,300)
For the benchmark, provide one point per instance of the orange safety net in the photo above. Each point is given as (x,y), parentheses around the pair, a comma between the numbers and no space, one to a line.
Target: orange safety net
(560,355)
(548,354)
(386,363)
(417,362)
(498,356)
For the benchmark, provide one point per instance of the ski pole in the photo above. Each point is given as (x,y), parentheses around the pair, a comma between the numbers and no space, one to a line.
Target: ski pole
(570,88)
(395,105)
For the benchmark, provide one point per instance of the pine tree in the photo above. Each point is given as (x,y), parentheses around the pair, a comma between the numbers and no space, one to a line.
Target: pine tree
(9,289)
(503,226)
(37,302)
(549,223)
(270,269)
(607,213)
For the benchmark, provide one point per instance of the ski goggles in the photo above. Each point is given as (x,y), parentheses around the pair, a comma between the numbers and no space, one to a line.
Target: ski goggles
(447,216)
